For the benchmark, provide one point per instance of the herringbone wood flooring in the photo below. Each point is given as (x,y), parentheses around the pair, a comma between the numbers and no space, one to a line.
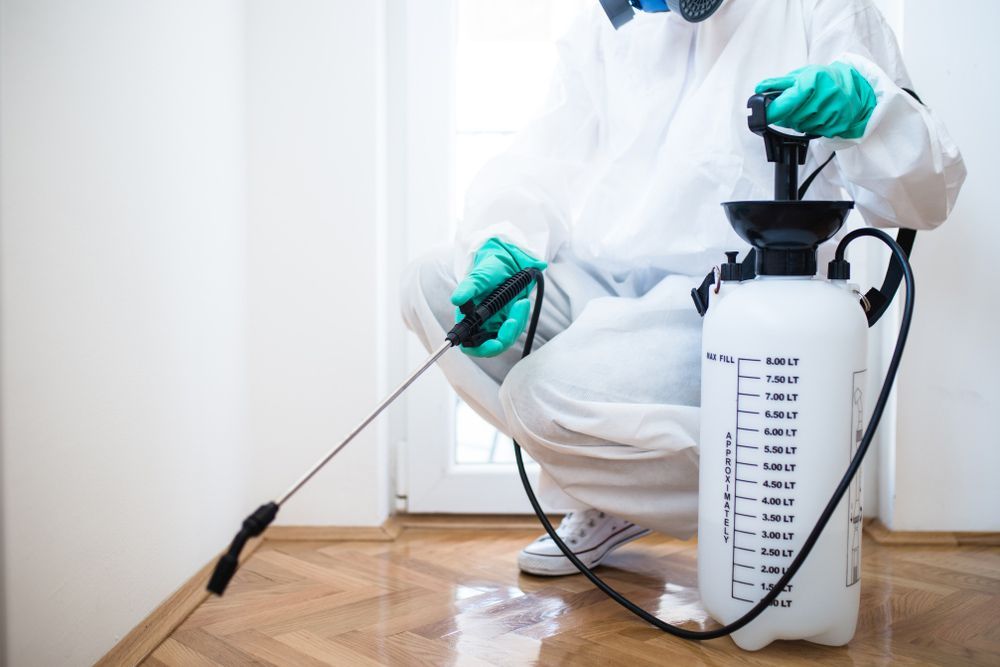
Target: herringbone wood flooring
(443,597)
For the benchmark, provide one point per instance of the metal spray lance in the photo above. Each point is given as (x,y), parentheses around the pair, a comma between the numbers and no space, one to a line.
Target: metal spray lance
(469,331)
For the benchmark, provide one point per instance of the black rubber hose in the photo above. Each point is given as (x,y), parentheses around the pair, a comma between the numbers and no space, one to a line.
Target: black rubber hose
(824,518)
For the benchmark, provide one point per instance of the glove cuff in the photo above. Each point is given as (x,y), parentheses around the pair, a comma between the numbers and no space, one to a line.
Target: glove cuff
(866,95)
(508,253)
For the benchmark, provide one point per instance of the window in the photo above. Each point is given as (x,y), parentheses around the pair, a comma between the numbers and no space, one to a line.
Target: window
(474,72)
(504,57)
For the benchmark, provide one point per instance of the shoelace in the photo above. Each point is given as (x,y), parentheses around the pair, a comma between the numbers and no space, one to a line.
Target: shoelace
(573,527)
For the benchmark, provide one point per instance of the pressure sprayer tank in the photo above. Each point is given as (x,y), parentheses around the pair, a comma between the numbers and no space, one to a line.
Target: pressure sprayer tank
(783,375)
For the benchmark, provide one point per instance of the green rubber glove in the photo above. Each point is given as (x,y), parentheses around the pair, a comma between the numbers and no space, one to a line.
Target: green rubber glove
(831,101)
(494,263)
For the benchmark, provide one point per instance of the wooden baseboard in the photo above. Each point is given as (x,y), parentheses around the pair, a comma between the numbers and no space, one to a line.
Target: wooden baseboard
(387,532)
(397,523)
(883,535)
(472,521)
(155,628)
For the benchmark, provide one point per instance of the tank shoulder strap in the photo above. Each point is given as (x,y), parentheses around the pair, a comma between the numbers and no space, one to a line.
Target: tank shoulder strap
(877,301)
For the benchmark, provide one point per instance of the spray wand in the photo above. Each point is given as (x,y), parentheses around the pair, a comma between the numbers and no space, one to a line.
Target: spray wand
(468,331)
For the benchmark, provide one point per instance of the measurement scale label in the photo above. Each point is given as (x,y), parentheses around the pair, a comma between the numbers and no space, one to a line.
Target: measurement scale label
(855,514)
(764,461)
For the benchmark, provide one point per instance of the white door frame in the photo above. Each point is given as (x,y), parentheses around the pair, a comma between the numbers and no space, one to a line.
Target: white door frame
(427,477)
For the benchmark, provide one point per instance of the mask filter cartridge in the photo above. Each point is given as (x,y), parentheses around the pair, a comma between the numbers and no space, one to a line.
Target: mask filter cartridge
(621,12)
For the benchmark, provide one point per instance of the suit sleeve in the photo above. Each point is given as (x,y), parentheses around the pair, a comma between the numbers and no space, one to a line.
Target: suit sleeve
(905,171)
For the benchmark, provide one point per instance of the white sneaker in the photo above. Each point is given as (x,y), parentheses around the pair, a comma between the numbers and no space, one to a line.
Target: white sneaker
(591,534)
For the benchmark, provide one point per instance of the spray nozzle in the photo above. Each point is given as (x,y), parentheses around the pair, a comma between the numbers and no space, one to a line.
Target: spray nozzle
(252,527)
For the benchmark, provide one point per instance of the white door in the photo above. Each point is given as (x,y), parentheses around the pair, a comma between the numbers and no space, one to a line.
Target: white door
(474,71)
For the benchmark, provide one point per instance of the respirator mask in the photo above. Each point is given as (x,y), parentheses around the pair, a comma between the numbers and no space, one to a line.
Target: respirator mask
(621,12)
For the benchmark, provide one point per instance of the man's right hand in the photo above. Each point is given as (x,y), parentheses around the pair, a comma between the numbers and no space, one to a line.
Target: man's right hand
(495,262)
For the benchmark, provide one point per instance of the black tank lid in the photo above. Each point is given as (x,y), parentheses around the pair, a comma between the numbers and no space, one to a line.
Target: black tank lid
(786,234)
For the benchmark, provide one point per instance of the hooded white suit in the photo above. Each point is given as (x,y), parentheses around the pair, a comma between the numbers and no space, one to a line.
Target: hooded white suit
(618,186)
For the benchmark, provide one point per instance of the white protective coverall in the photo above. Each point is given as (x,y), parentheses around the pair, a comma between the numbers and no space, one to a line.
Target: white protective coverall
(618,185)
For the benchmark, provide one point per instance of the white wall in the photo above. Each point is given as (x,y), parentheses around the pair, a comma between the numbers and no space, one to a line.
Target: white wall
(948,450)
(121,214)
(316,280)
(192,237)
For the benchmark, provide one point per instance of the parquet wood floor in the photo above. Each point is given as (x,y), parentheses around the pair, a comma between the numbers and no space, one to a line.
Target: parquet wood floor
(455,597)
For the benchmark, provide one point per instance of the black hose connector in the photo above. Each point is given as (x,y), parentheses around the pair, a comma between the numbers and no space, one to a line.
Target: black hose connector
(839,269)
(253,525)
(468,330)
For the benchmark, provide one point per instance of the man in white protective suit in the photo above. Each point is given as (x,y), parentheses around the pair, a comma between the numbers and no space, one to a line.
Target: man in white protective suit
(615,191)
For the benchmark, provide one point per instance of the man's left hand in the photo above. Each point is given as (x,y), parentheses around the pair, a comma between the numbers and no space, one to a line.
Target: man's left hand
(831,101)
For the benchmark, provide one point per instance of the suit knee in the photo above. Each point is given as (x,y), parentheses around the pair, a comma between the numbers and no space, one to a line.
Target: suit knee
(527,413)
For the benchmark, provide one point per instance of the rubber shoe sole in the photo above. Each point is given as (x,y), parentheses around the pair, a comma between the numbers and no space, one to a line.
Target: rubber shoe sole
(557,565)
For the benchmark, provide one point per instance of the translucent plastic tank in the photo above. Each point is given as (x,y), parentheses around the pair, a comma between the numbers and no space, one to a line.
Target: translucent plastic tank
(783,364)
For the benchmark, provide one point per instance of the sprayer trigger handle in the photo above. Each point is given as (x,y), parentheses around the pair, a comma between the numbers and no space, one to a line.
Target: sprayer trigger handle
(468,308)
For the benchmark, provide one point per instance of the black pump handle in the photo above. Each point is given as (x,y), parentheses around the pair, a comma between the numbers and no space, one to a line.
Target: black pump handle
(757,120)
(786,151)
